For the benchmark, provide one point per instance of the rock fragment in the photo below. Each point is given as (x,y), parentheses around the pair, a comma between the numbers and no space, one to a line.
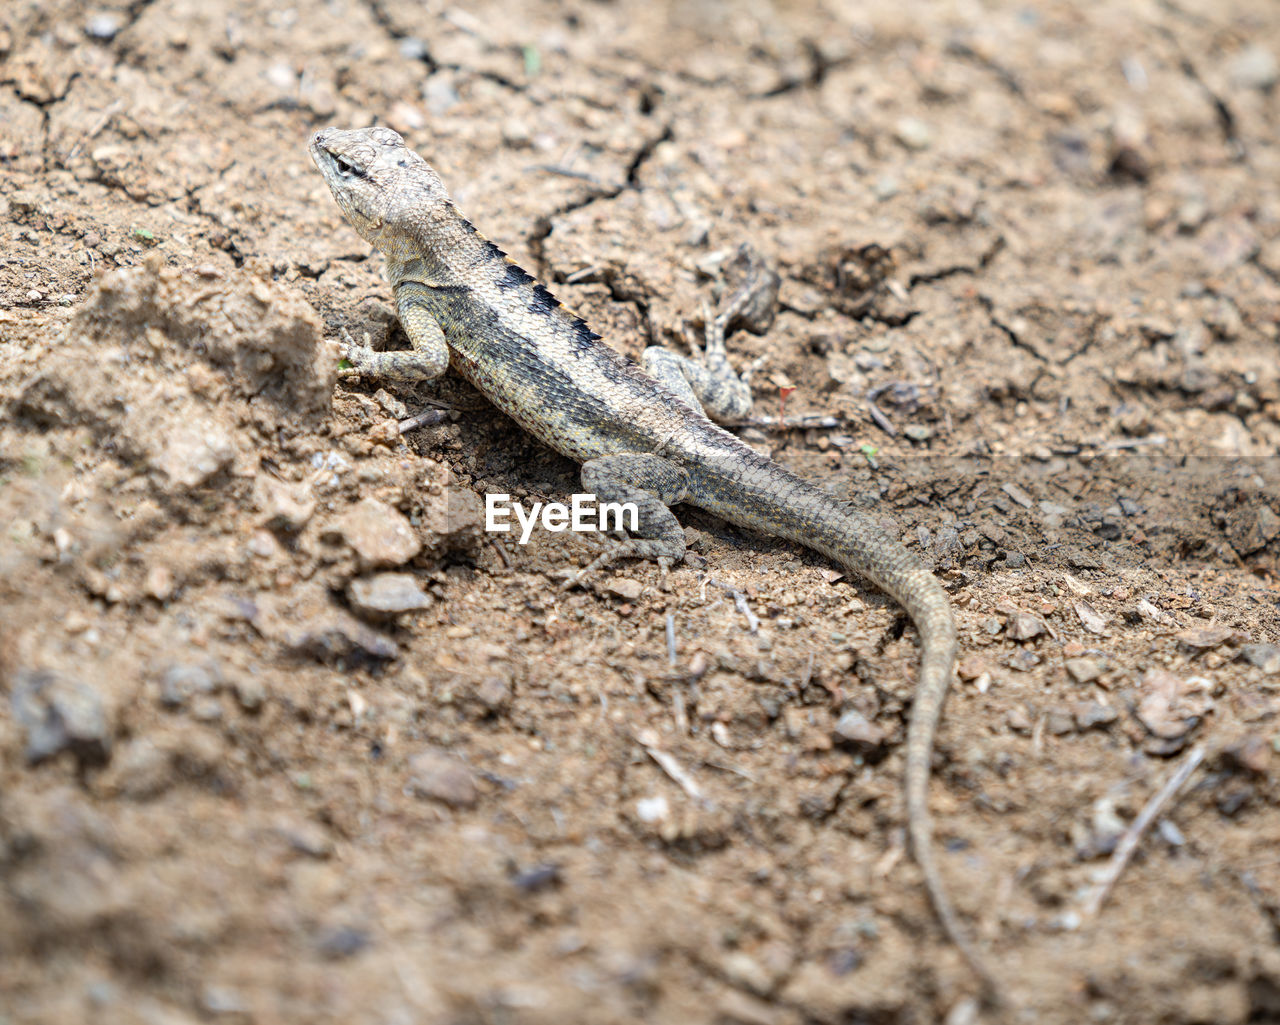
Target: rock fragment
(436,774)
(59,713)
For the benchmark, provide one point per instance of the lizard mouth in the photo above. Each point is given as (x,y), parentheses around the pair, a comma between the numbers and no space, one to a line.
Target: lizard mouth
(321,154)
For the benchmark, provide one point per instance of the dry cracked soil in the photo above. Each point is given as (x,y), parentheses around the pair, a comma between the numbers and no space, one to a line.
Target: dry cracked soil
(287,736)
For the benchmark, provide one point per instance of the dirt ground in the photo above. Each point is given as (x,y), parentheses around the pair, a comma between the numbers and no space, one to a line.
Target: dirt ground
(286,736)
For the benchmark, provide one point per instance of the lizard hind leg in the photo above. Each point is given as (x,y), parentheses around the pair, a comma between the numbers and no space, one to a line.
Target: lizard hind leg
(710,383)
(652,485)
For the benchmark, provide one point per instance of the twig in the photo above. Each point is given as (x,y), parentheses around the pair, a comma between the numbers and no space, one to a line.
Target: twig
(881,420)
(1129,842)
(711,763)
(671,639)
(569,172)
(582,274)
(800,421)
(426,418)
(501,553)
(740,602)
(679,713)
(667,762)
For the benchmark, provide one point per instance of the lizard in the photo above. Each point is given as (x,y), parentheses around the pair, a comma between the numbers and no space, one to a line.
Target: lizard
(644,433)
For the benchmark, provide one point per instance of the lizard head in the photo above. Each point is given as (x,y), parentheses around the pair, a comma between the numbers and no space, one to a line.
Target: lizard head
(371,172)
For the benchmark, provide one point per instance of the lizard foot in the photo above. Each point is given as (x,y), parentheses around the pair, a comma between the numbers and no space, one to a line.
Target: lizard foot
(633,548)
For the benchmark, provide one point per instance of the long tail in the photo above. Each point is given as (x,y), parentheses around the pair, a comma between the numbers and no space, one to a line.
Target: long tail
(887,564)
(930,609)
(787,506)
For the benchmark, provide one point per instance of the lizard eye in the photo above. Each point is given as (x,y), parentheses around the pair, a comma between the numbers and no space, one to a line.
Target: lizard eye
(346,169)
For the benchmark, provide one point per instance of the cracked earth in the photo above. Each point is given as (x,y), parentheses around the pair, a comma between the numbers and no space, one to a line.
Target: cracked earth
(285,736)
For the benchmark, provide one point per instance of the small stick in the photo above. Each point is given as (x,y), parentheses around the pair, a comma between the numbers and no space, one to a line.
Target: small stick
(501,553)
(740,602)
(679,713)
(1129,842)
(426,418)
(589,271)
(788,423)
(569,172)
(881,420)
(667,763)
(671,639)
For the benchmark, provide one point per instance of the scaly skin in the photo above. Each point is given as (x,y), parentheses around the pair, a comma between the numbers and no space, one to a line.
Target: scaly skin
(641,434)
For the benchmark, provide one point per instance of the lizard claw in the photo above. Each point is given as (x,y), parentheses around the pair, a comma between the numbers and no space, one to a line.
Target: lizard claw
(356,356)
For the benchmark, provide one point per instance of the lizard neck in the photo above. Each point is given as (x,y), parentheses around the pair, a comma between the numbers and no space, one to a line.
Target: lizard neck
(441,248)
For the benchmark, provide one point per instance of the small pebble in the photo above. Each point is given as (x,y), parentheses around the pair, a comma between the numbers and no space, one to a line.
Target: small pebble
(222,1000)
(341,942)
(1018,720)
(886,187)
(540,877)
(440,95)
(913,133)
(263,544)
(379,534)
(624,588)
(59,714)
(1254,67)
(104,26)
(282,76)
(493,692)
(652,809)
(183,680)
(437,774)
(1233,799)
(1251,753)
(250,693)
(854,727)
(386,594)
(1059,724)
(309,838)
(1083,670)
(1263,656)
(1089,714)
(1202,638)
(1023,626)
(412,48)
(206,708)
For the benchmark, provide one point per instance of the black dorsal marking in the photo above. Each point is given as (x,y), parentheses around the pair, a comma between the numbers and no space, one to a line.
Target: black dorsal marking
(467,226)
(543,301)
(583,337)
(514,277)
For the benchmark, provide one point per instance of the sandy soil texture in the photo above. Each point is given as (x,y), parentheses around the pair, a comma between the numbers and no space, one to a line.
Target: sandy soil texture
(286,736)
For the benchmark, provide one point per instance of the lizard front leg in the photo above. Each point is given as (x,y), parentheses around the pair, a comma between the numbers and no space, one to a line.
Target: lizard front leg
(426,361)
(652,484)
